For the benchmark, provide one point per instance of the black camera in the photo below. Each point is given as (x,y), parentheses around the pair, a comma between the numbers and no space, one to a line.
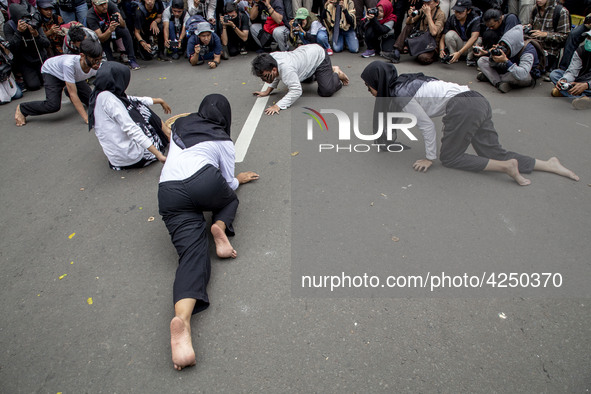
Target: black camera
(496,52)
(296,23)
(476,49)
(227,18)
(174,43)
(32,21)
(414,13)
(526,30)
(115,18)
(373,11)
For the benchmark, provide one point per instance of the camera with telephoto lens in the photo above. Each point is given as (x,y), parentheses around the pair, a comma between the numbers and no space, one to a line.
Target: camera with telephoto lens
(496,52)
(227,18)
(373,11)
(563,85)
(414,13)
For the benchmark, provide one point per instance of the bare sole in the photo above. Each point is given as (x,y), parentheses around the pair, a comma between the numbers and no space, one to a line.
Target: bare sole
(223,248)
(183,354)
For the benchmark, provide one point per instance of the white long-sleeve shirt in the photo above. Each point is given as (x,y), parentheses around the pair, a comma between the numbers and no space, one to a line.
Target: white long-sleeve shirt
(123,142)
(430,101)
(294,67)
(184,163)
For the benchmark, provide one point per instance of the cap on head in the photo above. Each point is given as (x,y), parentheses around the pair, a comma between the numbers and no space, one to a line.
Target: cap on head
(462,5)
(203,27)
(44,4)
(99,2)
(587,35)
(302,13)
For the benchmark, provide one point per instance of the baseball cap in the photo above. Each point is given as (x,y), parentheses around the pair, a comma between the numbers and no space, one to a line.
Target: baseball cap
(462,5)
(44,4)
(99,2)
(587,34)
(302,13)
(203,27)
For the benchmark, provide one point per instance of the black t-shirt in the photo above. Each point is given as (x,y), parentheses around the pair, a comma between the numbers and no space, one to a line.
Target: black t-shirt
(142,21)
(471,25)
(95,21)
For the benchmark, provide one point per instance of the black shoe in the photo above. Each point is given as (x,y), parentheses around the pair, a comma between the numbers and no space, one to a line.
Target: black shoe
(481,77)
(162,56)
(395,56)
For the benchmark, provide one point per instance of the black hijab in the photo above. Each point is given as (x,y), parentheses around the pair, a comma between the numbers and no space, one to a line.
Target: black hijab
(111,77)
(211,123)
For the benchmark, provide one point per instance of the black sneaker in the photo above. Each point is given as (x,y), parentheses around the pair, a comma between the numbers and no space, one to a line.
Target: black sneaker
(481,77)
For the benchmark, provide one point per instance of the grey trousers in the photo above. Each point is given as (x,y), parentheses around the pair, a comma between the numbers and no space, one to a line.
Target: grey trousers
(468,121)
(494,77)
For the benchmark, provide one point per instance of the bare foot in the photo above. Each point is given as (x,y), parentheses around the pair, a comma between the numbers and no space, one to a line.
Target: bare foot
(183,354)
(223,247)
(556,167)
(512,169)
(19,117)
(342,76)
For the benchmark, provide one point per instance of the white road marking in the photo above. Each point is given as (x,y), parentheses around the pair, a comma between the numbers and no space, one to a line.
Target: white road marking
(250,126)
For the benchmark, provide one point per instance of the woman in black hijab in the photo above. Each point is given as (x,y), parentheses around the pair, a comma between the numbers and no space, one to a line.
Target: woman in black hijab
(467,120)
(198,176)
(130,133)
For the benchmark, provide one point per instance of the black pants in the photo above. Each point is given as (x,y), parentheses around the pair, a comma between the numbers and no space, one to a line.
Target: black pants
(123,33)
(181,205)
(328,81)
(53,96)
(31,73)
(146,33)
(468,120)
(376,41)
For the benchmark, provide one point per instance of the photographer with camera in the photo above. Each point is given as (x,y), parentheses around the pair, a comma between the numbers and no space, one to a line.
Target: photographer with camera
(496,25)
(574,39)
(510,63)
(379,30)
(339,21)
(274,26)
(575,82)
(461,32)
(175,35)
(429,19)
(149,29)
(235,30)
(28,44)
(105,20)
(71,72)
(9,90)
(304,29)
(204,45)
(550,26)
(51,23)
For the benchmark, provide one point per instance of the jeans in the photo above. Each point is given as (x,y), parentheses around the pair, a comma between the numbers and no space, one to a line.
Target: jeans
(344,36)
(78,15)
(556,75)
(574,39)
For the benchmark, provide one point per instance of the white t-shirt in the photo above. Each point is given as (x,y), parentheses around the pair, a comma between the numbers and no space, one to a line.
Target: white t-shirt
(66,68)
(184,163)
(123,141)
(167,16)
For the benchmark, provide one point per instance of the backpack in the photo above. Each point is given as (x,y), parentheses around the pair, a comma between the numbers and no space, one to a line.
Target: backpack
(555,17)
(192,22)
(540,69)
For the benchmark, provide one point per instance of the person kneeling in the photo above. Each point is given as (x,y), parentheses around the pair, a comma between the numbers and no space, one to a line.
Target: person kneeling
(131,135)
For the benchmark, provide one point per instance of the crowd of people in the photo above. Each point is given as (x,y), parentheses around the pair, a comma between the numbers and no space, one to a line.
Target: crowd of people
(61,46)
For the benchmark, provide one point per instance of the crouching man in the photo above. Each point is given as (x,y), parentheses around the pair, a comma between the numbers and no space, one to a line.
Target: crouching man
(293,68)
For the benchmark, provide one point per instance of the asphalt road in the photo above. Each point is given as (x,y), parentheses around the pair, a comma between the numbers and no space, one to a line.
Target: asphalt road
(66,215)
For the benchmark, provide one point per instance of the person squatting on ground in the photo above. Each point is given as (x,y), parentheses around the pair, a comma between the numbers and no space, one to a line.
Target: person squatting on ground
(235,30)
(428,19)
(305,28)
(105,20)
(274,26)
(130,133)
(70,71)
(509,64)
(149,29)
(198,177)
(379,30)
(550,24)
(460,33)
(173,24)
(496,25)
(300,65)
(51,23)
(28,44)
(575,82)
(574,39)
(339,21)
(467,120)
(204,45)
